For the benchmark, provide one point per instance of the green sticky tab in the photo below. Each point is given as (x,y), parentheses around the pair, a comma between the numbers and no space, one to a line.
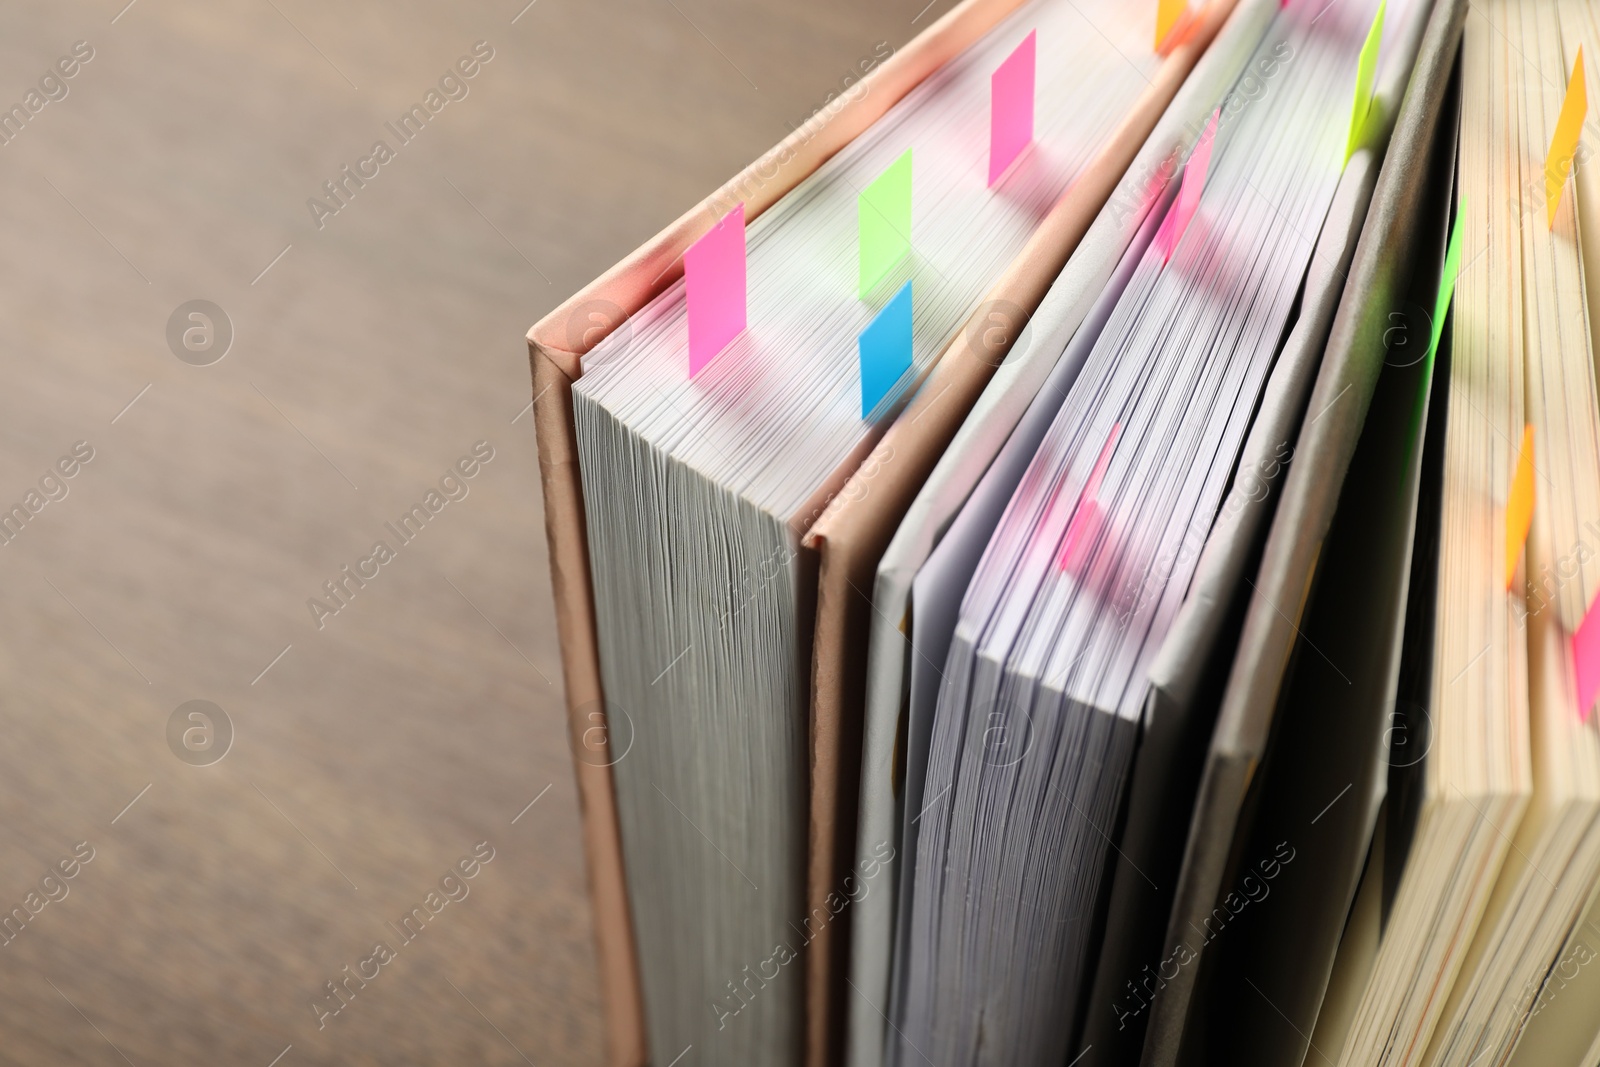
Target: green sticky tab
(884,214)
(1366,73)
(1447,279)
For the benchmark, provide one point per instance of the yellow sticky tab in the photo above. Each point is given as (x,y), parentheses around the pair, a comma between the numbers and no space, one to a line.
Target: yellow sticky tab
(1519,506)
(1366,74)
(1558,164)
(1168,12)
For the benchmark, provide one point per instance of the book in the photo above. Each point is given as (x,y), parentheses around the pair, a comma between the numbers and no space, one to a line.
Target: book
(1387,295)
(1503,847)
(852,532)
(1188,676)
(1554,862)
(1562,1026)
(1081,574)
(556,345)
(1349,692)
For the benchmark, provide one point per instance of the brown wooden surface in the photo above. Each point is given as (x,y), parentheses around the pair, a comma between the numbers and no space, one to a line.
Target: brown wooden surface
(425,715)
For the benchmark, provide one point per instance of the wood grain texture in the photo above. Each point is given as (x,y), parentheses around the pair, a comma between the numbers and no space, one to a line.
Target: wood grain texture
(425,715)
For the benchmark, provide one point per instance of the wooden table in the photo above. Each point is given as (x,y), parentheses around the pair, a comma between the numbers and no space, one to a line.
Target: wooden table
(369,354)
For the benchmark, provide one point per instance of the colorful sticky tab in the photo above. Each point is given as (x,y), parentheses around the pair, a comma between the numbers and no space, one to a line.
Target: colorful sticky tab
(885,348)
(1565,142)
(1194,183)
(1168,14)
(1011,107)
(1088,516)
(1519,505)
(1366,73)
(1586,659)
(883,212)
(1447,279)
(714,282)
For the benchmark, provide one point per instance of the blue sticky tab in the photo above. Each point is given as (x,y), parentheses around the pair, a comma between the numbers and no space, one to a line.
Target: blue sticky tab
(885,347)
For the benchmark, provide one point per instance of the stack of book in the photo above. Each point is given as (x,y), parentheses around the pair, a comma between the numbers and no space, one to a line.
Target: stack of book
(1082,554)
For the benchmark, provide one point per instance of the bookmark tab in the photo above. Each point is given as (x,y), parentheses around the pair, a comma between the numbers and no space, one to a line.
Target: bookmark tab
(1519,505)
(1366,73)
(1558,164)
(1011,107)
(1447,279)
(885,349)
(714,282)
(1088,516)
(1586,659)
(1194,183)
(883,212)
(1168,14)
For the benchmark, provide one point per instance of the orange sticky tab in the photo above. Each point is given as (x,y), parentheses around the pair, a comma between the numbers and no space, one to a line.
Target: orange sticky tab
(1558,164)
(1168,12)
(1519,506)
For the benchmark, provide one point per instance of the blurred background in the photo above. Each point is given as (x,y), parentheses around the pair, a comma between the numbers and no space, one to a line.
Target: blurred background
(246,851)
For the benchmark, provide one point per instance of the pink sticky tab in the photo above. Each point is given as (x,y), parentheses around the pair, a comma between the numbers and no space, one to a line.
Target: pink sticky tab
(1087,517)
(1586,659)
(1011,107)
(714,277)
(1194,183)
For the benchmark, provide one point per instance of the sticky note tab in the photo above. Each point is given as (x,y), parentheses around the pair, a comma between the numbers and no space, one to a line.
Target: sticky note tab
(885,347)
(1088,516)
(1011,106)
(1519,505)
(1569,125)
(1366,73)
(883,213)
(1194,183)
(714,282)
(1168,14)
(1447,279)
(1586,659)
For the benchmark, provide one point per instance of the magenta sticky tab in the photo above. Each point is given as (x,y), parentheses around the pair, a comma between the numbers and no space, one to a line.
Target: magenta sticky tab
(1088,517)
(1194,183)
(1586,659)
(714,280)
(1011,107)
